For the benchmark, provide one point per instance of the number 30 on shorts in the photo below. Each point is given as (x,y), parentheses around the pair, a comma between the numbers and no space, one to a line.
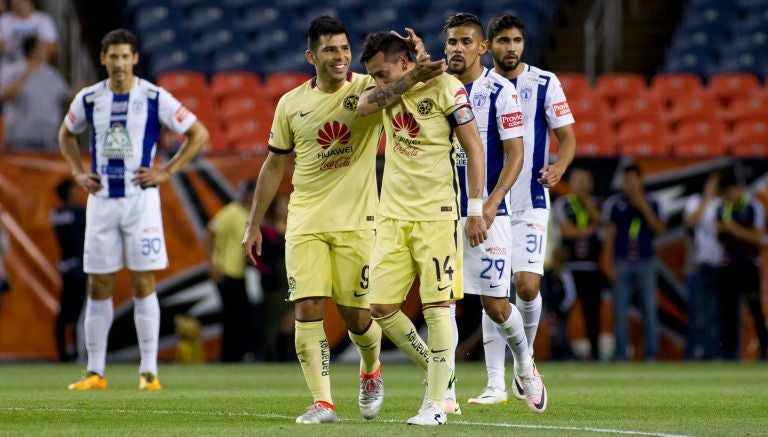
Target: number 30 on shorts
(151,246)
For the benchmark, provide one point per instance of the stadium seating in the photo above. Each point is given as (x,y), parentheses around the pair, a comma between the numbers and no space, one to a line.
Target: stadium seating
(727,86)
(277,84)
(594,138)
(575,85)
(642,106)
(183,82)
(698,106)
(618,86)
(652,131)
(252,107)
(235,83)
(746,108)
(590,107)
(248,134)
(668,86)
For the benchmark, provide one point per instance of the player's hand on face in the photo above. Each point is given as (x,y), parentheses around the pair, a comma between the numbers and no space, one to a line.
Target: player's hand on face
(90,181)
(475,230)
(148,176)
(550,175)
(415,44)
(252,243)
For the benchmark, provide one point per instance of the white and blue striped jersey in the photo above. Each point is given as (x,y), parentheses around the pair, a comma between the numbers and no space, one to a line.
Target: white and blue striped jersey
(499,117)
(544,107)
(124,129)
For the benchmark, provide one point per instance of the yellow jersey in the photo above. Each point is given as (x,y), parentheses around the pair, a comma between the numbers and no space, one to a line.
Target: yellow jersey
(420,178)
(227,227)
(334,180)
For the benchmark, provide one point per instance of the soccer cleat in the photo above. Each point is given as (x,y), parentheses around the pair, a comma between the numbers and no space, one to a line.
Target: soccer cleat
(148,381)
(429,415)
(490,396)
(452,407)
(318,413)
(517,389)
(371,395)
(535,392)
(91,381)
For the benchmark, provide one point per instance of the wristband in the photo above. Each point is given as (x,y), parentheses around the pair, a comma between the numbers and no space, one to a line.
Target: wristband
(475,208)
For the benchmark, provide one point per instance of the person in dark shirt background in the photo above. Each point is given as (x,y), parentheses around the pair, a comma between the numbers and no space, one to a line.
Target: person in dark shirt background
(68,221)
(741,230)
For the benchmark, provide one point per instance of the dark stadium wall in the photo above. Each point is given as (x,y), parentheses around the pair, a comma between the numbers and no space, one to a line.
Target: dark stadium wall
(27,196)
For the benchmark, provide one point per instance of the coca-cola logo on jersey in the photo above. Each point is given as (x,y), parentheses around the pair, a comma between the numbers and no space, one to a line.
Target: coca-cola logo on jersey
(561,108)
(514,119)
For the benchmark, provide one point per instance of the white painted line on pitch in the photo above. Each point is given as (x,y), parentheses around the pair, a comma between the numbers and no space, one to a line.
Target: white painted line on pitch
(282,416)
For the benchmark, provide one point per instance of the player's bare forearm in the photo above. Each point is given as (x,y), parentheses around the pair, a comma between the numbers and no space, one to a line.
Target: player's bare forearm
(379,97)
(69,149)
(567,139)
(470,141)
(197,137)
(513,165)
(270,177)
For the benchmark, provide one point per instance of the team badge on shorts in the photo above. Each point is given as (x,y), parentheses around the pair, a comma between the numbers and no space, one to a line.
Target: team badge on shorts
(291,284)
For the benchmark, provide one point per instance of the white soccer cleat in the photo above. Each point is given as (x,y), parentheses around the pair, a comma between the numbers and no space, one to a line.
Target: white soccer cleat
(535,392)
(429,415)
(318,413)
(517,389)
(452,407)
(371,396)
(490,396)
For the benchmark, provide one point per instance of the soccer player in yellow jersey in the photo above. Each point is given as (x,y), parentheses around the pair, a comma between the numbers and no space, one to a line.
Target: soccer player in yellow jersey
(419,228)
(331,213)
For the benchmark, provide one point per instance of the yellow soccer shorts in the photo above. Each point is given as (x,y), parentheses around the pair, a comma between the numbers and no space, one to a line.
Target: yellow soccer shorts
(404,249)
(330,264)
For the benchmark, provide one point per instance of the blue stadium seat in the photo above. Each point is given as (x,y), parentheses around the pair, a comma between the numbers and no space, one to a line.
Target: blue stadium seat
(217,39)
(689,62)
(258,18)
(743,62)
(175,59)
(156,17)
(236,4)
(162,40)
(275,39)
(234,58)
(288,61)
(204,17)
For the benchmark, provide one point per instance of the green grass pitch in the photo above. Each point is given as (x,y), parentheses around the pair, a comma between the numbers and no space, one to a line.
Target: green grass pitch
(263,400)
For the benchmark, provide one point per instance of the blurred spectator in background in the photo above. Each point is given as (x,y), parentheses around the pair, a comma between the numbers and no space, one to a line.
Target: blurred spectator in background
(558,291)
(578,215)
(20,22)
(274,282)
(227,264)
(700,217)
(34,95)
(741,229)
(68,221)
(633,217)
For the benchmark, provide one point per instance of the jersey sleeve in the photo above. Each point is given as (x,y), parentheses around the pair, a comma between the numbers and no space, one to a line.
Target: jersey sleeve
(509,113)
(173,114)
(557,110)
(47,30)
(452,94)
(75,120)
(281,135)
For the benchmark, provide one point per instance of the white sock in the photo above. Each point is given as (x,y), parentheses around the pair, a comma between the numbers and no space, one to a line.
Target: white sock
(495,348)
(531,312)
(98,320)
(514,334)
(146,316)
(451,392)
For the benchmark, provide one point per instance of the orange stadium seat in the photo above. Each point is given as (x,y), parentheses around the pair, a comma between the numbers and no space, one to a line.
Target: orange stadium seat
(744,108)
(756,148)
(246,131)
(749,136)
(645,148)
(652,130)
(594,138)
(237,107)
(699,106)
(277,84)
(699,148)
(618,86)
(235,83)
(669,86)
(183,82)
(575,85)
(642,106)
(727,86)
(700,130)
(590,107)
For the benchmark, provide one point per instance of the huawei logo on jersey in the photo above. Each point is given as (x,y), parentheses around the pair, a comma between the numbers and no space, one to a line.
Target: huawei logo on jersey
(405,121)
(333,132)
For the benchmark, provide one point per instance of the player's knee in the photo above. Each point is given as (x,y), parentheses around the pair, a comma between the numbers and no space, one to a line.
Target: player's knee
(100,286)
(309,309)
(383,311)
(142,283)
(527,287)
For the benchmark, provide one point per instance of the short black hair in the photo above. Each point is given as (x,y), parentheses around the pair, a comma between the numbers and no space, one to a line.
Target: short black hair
(63,187)
(117,37)
(385,42)
(29,44)
(632,168)
(502,22)
(323,25)
(463,19)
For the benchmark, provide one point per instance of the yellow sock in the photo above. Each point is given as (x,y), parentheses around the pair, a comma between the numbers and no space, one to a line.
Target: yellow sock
(440,341)
(368,345)
(315,357)
(401,331)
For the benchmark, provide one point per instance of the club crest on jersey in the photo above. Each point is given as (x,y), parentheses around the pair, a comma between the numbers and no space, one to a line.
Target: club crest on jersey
(478,100)
(425,106)
(117,143)
(137,106)
(350,102)
(526,93)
